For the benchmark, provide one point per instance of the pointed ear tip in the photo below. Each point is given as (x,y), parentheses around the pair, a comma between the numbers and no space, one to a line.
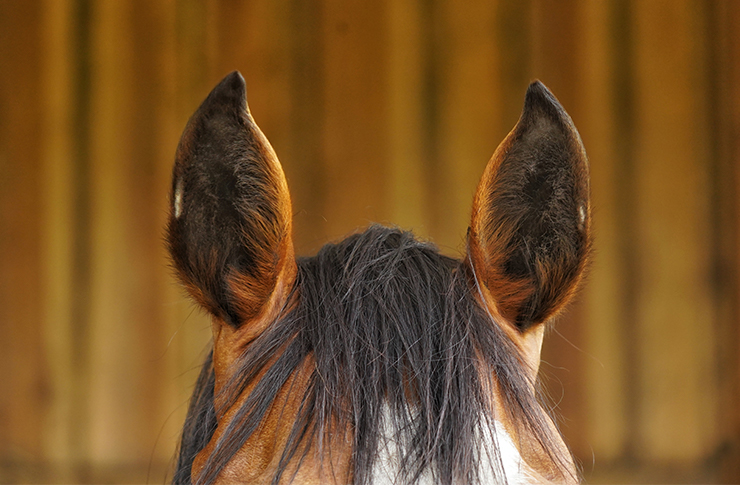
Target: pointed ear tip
(539,95)
(232,87)
(537,85)
(235,78)
(540,101)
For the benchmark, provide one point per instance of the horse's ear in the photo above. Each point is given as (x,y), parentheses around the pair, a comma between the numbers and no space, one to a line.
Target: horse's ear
(529,238)
(229,231)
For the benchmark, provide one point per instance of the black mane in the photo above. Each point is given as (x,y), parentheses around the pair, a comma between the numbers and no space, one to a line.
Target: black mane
(392,325)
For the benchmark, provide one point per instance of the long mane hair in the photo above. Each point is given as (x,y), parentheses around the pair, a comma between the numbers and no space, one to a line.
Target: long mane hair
(399,344)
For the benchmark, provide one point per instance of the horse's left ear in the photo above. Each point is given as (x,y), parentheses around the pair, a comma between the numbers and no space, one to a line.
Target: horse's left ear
(229,231)
(529,237)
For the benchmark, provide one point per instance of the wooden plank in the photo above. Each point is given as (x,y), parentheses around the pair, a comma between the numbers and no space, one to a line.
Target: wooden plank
(514,50)
(80,280)
(355,97)
(408,129)
(304,154)
(467,129)
(627,241)
(58,223)
(154,137)
(675,318)
(111,328)
(254,37)
(24,378)
(731,471)
(724,76)
(132,49)
(603,294)
(194,56)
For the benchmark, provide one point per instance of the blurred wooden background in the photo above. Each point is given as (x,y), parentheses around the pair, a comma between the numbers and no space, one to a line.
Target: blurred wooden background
(380,111)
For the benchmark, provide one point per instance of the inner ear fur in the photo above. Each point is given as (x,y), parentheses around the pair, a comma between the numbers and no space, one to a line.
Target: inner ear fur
(229,230)
(529,237)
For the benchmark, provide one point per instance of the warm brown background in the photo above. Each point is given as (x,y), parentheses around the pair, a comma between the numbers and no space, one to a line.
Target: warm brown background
(380,111)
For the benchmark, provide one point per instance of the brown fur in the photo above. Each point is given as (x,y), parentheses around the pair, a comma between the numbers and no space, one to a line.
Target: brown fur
(258,460)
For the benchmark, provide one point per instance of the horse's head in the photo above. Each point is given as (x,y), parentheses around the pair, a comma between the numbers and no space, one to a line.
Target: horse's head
(378,359)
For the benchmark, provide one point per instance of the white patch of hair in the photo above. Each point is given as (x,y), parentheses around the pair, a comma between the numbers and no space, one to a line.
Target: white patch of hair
(177,203)
(499,452)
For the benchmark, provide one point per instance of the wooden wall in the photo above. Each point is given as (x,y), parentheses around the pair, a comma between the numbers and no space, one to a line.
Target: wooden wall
(380,111)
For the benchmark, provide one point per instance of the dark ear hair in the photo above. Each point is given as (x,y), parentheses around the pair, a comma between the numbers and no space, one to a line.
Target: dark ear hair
(529,237)
(229,231)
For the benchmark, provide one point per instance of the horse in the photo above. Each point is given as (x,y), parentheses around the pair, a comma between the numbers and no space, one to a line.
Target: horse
(379,360)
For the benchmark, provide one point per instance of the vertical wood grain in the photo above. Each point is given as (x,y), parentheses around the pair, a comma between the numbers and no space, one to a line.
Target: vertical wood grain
(467,103)
(24,379)
(304,154)
(408,173)
(355,96)
(723,74)
(675,318)
(603,315)
(58,236)
(730,97)
(514,46)
(254,37)
(128,197)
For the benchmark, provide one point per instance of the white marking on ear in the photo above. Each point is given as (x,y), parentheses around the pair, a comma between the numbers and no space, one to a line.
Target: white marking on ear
(178,199)
(581,217)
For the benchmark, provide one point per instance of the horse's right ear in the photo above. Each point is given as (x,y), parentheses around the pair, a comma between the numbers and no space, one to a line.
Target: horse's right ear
(229,231)
(529,237)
